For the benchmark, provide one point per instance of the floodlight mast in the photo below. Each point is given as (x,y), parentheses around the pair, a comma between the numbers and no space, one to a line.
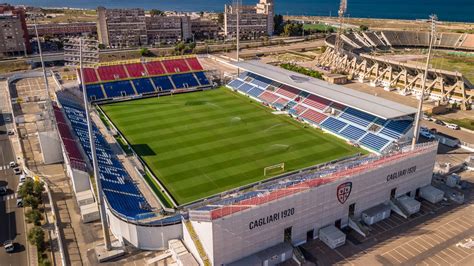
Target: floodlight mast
(100,196)
(237,7)
(419,113)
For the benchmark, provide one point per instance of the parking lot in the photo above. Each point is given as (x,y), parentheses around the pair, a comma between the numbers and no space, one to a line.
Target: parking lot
(440,234)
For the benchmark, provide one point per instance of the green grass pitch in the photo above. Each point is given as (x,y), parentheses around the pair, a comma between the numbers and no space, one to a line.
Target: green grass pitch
(199,144)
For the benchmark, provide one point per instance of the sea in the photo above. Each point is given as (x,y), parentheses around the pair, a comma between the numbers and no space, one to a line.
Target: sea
(446,10)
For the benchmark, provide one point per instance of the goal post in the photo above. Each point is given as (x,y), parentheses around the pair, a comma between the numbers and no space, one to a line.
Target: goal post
(274,169)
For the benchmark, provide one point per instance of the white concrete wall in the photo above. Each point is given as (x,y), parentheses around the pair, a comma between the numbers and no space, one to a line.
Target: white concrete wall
(144,237)
(80,180)
(313,209)
(50,145)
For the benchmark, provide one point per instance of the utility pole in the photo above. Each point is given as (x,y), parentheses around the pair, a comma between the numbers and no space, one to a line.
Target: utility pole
(79,52)
(419,113)
(238,34)
(48,105)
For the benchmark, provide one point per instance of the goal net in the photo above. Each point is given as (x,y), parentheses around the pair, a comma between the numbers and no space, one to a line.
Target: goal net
(274,169)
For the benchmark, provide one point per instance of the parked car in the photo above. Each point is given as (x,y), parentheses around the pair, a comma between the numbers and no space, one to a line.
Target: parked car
(427,117)
(427,134)
(12,164)
(424,129)
(7,119)
(17,170)
(11,132)
(9,246)
(22,178)
(439,122)
(453,126)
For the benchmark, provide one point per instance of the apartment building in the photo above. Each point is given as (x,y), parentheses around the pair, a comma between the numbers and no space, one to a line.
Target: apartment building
(63,29)
(254,20)
(132,27)
(203,28)
(14,38)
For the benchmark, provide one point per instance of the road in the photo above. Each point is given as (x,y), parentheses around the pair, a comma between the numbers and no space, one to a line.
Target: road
(12,225)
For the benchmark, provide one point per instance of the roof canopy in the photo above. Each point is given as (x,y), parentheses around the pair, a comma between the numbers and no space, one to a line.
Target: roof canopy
(365,102)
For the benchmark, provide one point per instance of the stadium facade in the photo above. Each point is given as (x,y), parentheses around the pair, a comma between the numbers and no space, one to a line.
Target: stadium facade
(272,216)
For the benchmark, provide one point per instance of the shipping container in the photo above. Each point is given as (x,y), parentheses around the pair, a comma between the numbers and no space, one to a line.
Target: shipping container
(411,206)
(431,194)
(332,236)
(376,214)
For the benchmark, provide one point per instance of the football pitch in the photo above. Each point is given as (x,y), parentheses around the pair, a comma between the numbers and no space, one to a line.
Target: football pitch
(202,143)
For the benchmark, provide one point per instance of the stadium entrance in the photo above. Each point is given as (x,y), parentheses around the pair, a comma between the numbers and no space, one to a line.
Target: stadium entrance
(287,234)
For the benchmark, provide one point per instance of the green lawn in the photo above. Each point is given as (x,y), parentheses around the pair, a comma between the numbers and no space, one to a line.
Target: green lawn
(199,144)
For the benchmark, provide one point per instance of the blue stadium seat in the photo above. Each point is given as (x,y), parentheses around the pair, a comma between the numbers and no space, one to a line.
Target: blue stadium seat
(123,195)
(255,92)
(143,85)
(333,124)
(246,87)
(163,83)
(396,128)
(202,78)
(374,142)
(260,81)
(94,92)
(118,88)
(186,80)
(235,83)
(357,117)
(352,132)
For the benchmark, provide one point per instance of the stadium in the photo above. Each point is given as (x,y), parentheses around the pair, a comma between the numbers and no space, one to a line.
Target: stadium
(384,58)
(242,173)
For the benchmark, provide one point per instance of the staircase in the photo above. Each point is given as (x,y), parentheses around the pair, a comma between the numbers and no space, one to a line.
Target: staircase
(197,243)
(358,227)
(398,209)
(298,256)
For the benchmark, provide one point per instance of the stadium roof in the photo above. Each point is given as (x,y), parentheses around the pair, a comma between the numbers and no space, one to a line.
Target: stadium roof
(365,102)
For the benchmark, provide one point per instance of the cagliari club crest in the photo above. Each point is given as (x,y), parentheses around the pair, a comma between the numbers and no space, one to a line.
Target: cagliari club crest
(343,191)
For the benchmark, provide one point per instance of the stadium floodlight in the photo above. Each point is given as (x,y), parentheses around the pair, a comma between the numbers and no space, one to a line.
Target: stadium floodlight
(80,52)
(419,113)
(237,6)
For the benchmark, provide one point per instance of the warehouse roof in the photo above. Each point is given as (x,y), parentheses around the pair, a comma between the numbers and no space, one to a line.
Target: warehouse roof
(365,102)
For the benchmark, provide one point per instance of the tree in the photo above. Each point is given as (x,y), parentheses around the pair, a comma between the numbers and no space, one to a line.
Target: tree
(31,201)
(38,189)
(364,27)
(145,52)
(36,237)
(279,24)
(34,216)
(293,29)
(157,12)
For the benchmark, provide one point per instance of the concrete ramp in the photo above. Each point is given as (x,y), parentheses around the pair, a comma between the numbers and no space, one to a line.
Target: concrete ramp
(358,227)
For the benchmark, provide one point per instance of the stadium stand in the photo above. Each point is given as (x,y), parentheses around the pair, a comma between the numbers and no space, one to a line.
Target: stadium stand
(201,77)
(95,92)
(143,85)
(136,70)
(176,66)
(121,193)
(163,83)
(313,116)
(366,129)
(288,91)
(119,89)
(90,75)
(352,132)
(333,124)
(267,97)
(194,64)
(109,73)
(357,117)
(155,68)
(317,102)
(374,142)
(396,128)
(186,80)
(148,77)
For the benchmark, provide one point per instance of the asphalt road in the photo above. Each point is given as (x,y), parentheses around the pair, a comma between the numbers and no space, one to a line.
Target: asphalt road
(12,225)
